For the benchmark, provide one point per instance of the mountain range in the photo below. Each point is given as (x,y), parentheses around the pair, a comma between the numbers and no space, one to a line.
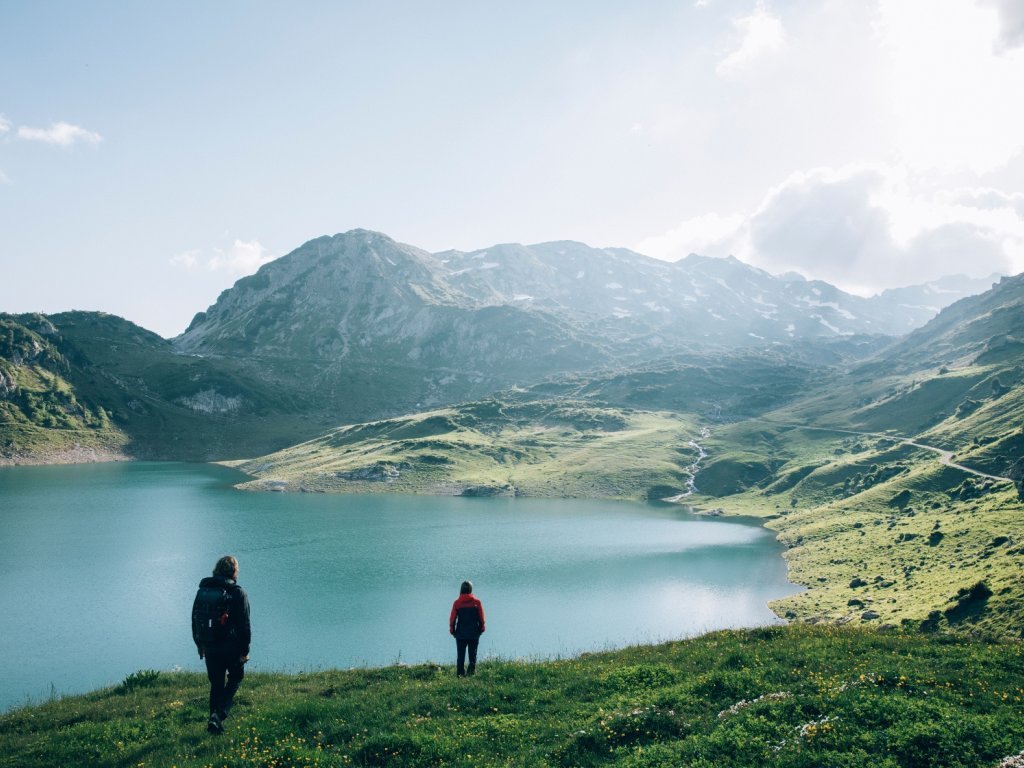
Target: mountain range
(357,326)
(344,290)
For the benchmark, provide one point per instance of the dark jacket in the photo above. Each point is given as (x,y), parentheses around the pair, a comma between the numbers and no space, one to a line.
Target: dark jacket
(239,632)
(466,621)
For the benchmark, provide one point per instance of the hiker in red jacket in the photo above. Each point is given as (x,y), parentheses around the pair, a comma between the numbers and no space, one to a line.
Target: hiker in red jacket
(466,624)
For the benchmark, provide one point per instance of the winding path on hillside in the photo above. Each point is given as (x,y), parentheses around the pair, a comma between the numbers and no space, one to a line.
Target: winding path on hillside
(945,457)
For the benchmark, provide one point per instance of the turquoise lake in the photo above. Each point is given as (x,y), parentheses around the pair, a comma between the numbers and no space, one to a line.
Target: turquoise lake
(99,564)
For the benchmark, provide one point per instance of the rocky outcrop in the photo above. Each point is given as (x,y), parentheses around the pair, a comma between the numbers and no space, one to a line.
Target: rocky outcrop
(76,454)
(487,491)
(8,386)
(1016,474)
(381,472)
(211,401)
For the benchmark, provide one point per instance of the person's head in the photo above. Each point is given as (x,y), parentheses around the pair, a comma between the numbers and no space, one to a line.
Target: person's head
(227,567)
(466,588)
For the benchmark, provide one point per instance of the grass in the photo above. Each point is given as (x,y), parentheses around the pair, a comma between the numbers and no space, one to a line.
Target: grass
(781,696)
(877,530)
(546,448)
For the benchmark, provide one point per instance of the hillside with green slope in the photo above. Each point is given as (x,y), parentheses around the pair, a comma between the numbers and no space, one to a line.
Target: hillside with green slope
(561,448)
(879,529)
(42,414)
(707,383)
(793,697)
(113,389)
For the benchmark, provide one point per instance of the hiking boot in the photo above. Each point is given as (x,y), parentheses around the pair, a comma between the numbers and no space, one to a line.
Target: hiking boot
(214,725)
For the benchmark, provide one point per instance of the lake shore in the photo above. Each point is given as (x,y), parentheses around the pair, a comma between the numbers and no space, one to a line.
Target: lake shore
(558,575)
(77,454)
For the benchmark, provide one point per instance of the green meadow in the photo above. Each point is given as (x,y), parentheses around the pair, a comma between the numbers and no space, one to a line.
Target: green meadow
(548,448)
(783,696)
(881,531)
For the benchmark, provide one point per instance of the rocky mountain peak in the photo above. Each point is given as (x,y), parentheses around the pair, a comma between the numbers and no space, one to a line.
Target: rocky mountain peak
(500,315)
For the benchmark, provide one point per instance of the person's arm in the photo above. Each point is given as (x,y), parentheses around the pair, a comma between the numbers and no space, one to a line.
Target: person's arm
(195,636)
(483,622)
(243,628)
(451,620)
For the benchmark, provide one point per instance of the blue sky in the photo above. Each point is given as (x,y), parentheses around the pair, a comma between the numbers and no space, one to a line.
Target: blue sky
(152,153)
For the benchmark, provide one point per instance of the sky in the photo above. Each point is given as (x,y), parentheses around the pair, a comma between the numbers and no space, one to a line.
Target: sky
(153,153)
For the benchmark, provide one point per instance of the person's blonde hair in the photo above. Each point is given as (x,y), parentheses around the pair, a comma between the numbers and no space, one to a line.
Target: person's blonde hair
(227,567)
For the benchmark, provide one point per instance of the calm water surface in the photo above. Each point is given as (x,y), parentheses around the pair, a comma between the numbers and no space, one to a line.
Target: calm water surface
(99,564)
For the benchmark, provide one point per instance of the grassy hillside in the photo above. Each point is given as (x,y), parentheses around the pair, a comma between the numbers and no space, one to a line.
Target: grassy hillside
(726,383)
(97,380)
(544,448)
(879,530)
(785,696)
(42,414)
(100,383)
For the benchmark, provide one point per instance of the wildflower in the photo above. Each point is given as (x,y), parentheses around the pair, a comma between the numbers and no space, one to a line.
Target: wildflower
(743,703)
(816,727)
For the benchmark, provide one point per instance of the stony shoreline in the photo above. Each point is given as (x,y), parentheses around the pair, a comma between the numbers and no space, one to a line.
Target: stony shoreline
(77,455)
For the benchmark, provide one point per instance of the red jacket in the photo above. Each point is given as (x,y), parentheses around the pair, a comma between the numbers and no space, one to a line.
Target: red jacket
(466,621)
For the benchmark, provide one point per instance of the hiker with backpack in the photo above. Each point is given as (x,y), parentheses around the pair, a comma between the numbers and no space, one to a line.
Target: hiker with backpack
(220,629)
(466,624)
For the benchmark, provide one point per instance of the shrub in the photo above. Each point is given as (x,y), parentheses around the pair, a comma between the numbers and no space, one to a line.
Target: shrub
(144,678)
(969,601)
(641,676)
(637,727)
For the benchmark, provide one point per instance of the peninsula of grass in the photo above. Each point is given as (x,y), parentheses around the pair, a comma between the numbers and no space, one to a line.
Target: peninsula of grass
(548,448)
(781,696)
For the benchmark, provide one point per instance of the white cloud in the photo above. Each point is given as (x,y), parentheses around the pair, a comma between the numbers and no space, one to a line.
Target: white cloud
(950,87)
(864,228)
(871,227)
(5,124)
(242,258)
(760,34)
(988,199)
(709,235)
(62,134)
(1011,16)
(4,178)
(187,259)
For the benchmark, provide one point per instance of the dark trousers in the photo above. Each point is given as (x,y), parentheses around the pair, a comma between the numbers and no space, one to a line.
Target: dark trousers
(222,695)
(461,646)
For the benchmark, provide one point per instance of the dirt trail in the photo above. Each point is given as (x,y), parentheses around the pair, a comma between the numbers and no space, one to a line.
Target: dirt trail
(945,457)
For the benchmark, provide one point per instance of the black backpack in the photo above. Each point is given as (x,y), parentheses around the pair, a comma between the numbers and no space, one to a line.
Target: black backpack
(211,624)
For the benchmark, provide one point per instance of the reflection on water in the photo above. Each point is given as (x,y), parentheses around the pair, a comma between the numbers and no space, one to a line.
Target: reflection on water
(99,564)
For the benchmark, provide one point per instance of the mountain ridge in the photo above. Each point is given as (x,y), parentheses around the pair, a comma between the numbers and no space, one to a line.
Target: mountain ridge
(361,296)
(356,326)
